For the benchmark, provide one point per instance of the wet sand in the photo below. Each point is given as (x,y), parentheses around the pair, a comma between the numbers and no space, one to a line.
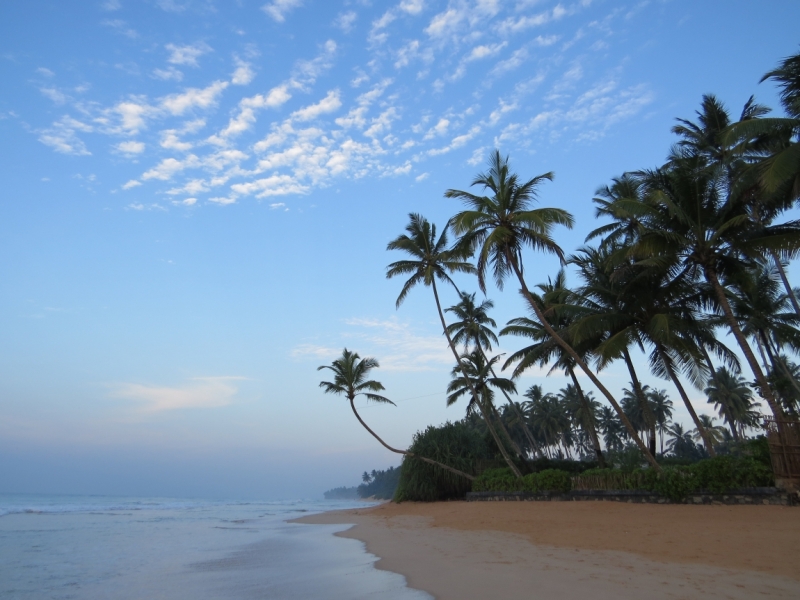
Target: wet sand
(568,549)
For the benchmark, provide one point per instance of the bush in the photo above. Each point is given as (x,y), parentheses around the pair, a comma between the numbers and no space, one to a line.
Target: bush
(497,480)
(453,444)
(549,480)
(716,475)
(574,467)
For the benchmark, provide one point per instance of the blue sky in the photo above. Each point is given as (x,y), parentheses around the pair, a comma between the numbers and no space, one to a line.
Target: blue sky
(197,198)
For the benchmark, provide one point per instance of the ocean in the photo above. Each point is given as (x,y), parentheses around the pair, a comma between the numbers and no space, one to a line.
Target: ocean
(100,547)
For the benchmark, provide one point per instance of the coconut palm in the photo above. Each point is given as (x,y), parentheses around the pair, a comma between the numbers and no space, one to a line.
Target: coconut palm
(733,400)
(432,261)
(681,443)
(661,406)
(473,328)
(351,374)
(547,416)
(558,306)
(612,429)
(714,432)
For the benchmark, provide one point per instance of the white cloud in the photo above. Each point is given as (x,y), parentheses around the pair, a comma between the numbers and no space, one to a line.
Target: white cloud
(328,104)
(445,23)
(315,351)
(439,129)
(121,27)
(243,73)
(346,21)
(479,52)
(111,5)
(421,177)
(277,205)
(201,392)
(187,55)
(130,147)
(248,106)
(131,184)
(177,104)
(407,53)
(186,202)
(168,167)
(223,201)
(277,9)
(169,74)
(412,7)
(55,95)
(276,185)
(45,71)
(62,136)
(456,142)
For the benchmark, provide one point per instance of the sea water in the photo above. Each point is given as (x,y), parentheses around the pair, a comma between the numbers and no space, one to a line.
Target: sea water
(96,547)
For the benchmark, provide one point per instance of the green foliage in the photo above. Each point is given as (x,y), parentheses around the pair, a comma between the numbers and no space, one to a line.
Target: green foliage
(574,467)
(716,475)
(381,484)
(453,444)
(549,480)
(503,480)
(342,493)
(498,480)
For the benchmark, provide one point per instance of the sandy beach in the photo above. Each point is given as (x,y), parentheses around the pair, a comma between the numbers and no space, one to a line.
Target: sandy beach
(568,549)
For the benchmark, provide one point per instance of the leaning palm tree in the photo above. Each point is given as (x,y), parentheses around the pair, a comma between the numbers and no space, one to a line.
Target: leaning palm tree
(432,260)
(350,379)
(732,398)
(713,432)
(500,227)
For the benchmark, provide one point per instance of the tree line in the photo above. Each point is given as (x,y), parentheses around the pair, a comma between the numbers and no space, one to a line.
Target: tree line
(691,250)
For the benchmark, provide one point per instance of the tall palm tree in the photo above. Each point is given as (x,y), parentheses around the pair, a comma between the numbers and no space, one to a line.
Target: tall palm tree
(732,398)
(547,416)
(501,226)
(662,410)
(714,432)
(432,260)
(350,379)
(473,327)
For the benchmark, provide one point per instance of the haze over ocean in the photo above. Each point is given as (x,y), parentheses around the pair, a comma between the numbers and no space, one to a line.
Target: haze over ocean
(197,196)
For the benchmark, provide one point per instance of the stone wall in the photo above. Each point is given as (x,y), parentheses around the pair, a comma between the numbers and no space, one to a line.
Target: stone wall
(743,496)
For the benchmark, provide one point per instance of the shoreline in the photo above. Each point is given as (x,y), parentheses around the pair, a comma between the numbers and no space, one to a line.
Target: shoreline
(565,549)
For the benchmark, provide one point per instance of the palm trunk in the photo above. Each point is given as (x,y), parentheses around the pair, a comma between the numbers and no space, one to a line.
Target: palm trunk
(785,279)
(406,452)
(579,361)
(650,418)
(517,412)
(728,417)
(685,397)
(766,391)
(475,396)
(592,430)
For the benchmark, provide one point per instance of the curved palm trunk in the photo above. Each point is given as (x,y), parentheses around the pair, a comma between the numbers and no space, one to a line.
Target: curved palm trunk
(584,367)
(590,426)
(646,410)
(766,391)
(475,396)
(785,279)
(406,452)
(725,408)
(686,401)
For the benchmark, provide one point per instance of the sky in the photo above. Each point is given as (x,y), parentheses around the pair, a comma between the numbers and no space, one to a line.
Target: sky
(197,197)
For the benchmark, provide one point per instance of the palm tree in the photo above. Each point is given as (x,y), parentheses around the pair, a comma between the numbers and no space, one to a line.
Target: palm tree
(547,416)
(500,227)
(681,443)
(474,327)
(714,432)
(732,398)
(559,306)
(350,380)
(475,372)
(582,409)
(661,406)
(613,431)
(434,260)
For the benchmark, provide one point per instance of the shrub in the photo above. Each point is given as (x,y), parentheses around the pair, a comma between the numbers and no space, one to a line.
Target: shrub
(453,444)
(570,466)
(723,473)
(497,480)
(549,480)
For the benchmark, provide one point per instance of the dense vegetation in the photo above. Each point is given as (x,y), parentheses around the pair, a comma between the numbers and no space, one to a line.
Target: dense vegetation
(454,444)
(688,252)
(379,485)
(342,493)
